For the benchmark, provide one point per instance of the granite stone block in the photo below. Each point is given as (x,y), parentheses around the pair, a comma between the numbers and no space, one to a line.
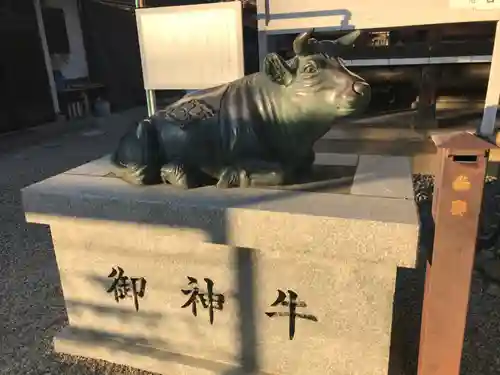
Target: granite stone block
(339,253)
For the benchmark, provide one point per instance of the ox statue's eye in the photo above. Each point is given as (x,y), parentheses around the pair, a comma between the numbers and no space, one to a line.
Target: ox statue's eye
(310,68)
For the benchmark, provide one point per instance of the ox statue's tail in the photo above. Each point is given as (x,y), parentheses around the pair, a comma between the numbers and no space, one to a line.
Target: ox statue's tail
(137,157)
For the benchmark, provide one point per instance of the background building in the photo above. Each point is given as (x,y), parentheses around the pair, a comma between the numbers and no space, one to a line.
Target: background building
(58,56)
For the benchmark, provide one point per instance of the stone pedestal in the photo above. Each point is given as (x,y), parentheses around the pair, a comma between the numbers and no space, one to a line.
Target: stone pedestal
(251,251)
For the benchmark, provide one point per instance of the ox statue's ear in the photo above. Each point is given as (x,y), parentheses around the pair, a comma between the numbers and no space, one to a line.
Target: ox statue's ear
(277,69)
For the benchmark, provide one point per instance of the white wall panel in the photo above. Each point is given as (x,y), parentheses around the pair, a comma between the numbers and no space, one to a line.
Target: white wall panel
(284,16)
(191,47)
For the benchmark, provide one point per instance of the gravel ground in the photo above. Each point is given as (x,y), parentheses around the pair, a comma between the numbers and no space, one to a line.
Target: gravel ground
(32,305)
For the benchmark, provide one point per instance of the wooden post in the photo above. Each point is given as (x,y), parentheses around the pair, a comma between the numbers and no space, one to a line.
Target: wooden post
(456,207)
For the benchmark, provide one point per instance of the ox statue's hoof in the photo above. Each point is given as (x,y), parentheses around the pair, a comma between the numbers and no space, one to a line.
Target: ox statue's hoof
(175,174)
(231,177)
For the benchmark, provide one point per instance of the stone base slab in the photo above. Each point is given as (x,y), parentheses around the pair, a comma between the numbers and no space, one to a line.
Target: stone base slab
(338,252)
(108,348)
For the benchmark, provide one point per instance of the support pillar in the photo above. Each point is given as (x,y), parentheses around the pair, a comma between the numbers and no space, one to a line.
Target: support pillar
(427,97)
(487,127)
(150,94)
(263,48)
(46,55)
(151,102)
(426,105)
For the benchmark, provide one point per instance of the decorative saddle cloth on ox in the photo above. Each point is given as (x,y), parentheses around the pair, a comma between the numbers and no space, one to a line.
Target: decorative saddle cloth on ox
(196,107)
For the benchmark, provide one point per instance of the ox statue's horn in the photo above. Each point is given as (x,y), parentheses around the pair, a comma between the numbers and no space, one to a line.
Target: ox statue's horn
(331,47)
(301,43)
(348,39)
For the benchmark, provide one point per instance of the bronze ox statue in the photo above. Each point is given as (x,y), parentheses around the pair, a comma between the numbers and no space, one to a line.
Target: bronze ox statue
(257,130)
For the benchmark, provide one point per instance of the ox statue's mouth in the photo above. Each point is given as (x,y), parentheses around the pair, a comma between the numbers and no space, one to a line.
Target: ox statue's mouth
(354,105)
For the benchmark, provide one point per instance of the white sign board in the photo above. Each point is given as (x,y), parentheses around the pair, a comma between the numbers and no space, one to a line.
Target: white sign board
(476,4)
(191,47)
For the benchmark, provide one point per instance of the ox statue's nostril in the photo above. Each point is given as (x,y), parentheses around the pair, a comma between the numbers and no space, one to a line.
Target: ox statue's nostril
(359,87)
